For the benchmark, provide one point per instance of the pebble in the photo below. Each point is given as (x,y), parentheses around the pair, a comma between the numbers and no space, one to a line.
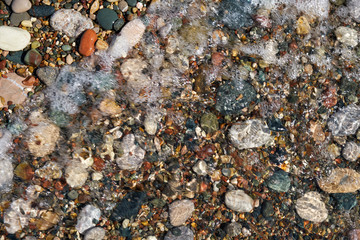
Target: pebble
(303,26)
(41,11)
(129,206)
(26,23)
(96,233)
(119,23)
(12,88)
(311,208)
(250,134)
(128,37)
(8,36)
(180,233)
(233,96)
(101,45)
(209,122)
(66,47)
(347,36)
(106,18)
(70,22)
(351,151)
(132,3)
(133,155)
(341,180)
(345,201)
(346,121)
(233,229)
(6,174)
(17,18)
(123,6)
(150,124)
(87,43)
(46,221)
(42,136)
(51,170)
(88,218)
(354,234)
(279,181)
(47,75)
(8,2)
(17,215)
(94,7)
(236,13)
(239,201)
(33,58)
(200,168)
(20,6)
(76,174)
(109,107)
(180,211)
(69,59)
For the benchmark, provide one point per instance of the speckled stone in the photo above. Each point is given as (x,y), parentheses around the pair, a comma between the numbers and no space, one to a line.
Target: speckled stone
(311,208)
(17,18)
(180,233)
(180,211)
(239,201)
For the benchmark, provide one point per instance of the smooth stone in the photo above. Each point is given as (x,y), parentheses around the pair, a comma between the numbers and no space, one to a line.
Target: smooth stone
(345,201)
(346,121)
(341,180)
(66,47)
(20,6)
(276,125)
(87,43)
(129,206)
(311,208)
(279,181)
(233,229)
(101,45)
(106,18)
(128,37)
(87,218)
(133,155)
(123,6)
(8,35)
(8,2)
(239,201)
(35,44)
(47,75)
(180,211)
(132,3)
(33,58)
(119,23)
(70,22)
(180,233)
(351,151)
(26,23)
(76,174)
(16,57)
(41,11)
(347,36)
(17,18)
(209,122)
(94,7)
(96,233)
(12,88)
(250,134)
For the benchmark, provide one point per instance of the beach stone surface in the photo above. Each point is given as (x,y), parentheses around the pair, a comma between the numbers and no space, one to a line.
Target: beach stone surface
(87,43)
(20,6)
(41,10)
(239,201)
(351,151)
(87,218)
(180,233)
(180,211)
(346,121)
(310,207)
(8,36)
(341,180)
(133,155)
(96,233)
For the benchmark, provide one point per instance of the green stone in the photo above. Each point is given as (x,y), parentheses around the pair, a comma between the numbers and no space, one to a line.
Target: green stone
(106,18)
(33,58)
(209,122)
(279,181)
(345,201)
(132,3)
(73,194)
(66,47)
(35,44)
(119,24)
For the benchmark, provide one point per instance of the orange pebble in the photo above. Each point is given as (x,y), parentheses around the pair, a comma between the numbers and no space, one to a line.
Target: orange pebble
(87,43)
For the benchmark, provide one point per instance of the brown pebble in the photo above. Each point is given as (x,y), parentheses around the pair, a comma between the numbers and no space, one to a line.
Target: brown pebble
(354,234)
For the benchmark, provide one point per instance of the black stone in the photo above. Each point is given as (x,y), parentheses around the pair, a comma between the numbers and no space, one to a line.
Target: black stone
(275,124)
(129,206)
(267,209)
(41,11)
(278,157)
(16,57)
(345,201)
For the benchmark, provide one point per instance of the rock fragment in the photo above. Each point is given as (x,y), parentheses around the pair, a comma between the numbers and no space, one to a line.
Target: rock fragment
(132,156)
(351,151)
(239,201)
(7,36)
(180,211)
(311,208)
(88,218)
(96,233)
(341,180)
(76,174)
(180,233)
(347,36)
(346,121)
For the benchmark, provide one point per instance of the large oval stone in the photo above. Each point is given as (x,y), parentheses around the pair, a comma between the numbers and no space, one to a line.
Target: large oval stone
(106,18)
(13,38)
(341,180)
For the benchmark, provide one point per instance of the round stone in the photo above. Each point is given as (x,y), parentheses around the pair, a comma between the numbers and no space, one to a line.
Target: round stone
(66,47)
(33,58)
(311,208)
(87,43)
(20,6)
(132,3)
(106,18)
(239,201)
(119,24)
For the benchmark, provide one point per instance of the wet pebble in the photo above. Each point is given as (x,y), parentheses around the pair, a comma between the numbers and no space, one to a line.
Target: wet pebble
(47,75)
(20,6)
(41,11)
(279,181)
(129,206)
(33,58)
(341,180)
(236,13)
(209,122)
(347,36)
(239,201)
(87,43)
(345,201)
(87,218)
(132,156)
(17,18)
(96,233)
(346,121)
(351,151)
(180,211)
(233,229)
(106,18)
(76,174)
(6,174)
(310,207)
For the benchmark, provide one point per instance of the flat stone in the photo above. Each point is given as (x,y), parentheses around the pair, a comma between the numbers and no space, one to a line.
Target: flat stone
(250,134)
(106,18)
(347,36)
(70,22)
(33,58)
(17,18)
(96,233)
(180,233)
(133,155)
(41,11)
(279,181)
(180,211)
(118,24)
(346,121)
(239,201)
(76,174)
(129,206)
(47,75)
(87,218)
(13,89)
(311,208)
(20,6)
(351,151)
(233,229)
(341,180)
(13,38)
(345,201)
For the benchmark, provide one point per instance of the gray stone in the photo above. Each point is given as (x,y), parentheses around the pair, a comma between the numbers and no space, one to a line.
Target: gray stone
(200,168)
(6,174)
(47,75)
(239,201)
(17,18)
(20,6)
(88,218)
(76,174)
(233,229)
(279,181)
(346,121)
(351,151)
(347,36)
(180,233)
(132,156)
(96,233)
(180,211)
(250,134)
(311,208)
(236,13)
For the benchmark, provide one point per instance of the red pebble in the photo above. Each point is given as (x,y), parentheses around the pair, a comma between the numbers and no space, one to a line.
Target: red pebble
(87,43)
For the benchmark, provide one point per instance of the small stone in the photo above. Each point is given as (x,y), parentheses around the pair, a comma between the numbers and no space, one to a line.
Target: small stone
(345,201)
(239,201)
(129,206)
(33,58)
(180,233)
(51,170)
(200,168)
(279,181)
(70,22)
(73,194)
(250,134)
(46,221)
(133,155)
(233,96)
(346,121)
(69,59)
(333,150)
(76,174)
(17,18)
(24,171)
(101,45)
(132,3)
(341,180)
(109,107)
(106,18)
(88,218)
(6,174)
(7,36)
(317,132)
(236,13)
(47,75)
(94,7)
(96,233)
(209,122)
(303,26)
(123,6)
(351,151)
(17,216)
(20,6)
(347,36)
(119,24)
(311,208)
(41,11)
(13,89)
(87,43)
(233,229)
(180,211)
(26,23)
(66,47)
(354,234)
